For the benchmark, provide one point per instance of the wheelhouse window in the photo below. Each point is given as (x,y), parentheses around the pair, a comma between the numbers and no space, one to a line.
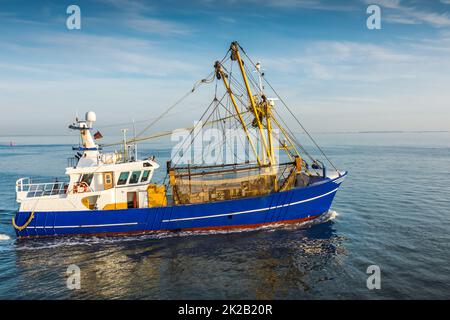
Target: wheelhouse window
(135,177)
(87,178)
(123,178)
(145,176)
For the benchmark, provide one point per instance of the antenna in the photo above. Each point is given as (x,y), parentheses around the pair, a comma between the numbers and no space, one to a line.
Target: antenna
(135,144)
(260,76)
(125,152)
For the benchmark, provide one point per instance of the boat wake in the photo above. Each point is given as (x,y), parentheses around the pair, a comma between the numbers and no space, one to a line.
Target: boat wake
(36,244)
(326,217)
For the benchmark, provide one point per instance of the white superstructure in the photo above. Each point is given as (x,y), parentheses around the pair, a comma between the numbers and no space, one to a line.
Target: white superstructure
(96,180)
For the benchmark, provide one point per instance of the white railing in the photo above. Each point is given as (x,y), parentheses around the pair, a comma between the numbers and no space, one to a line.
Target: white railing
(28,189)
(112,158)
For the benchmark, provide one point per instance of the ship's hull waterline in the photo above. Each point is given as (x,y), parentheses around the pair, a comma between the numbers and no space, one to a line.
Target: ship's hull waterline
(295,205)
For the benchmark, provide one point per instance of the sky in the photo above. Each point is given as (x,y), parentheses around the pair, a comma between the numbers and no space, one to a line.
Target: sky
(132,59)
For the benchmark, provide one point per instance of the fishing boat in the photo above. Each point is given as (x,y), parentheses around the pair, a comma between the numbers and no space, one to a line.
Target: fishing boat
(114,193)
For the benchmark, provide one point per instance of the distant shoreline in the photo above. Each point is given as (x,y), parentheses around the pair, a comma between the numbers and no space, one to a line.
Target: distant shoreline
(317,132)
(377,132)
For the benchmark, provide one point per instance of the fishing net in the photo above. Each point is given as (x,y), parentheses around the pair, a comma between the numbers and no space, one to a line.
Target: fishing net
(198,187)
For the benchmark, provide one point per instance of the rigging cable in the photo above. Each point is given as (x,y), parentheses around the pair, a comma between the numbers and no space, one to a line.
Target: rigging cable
(209,79)
(293,115)
(201,118)
(192,130)
(196,85)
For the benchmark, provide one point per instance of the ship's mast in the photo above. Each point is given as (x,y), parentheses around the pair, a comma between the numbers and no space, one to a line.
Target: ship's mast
(134,143)
(221,75)
(244,101)
(88,146)
(267,107)
(268,104)
(125,148)
(235,55)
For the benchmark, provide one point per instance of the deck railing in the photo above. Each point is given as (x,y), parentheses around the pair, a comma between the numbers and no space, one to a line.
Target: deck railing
(32,190)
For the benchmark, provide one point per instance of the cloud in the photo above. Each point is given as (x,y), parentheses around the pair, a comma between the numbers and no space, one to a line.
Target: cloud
(83,55)
(153,25)
(385,86)
(310,4)
(305,4)
(129,5)
(130,14)
(392,4)
(322,5)
(434,46)
(345,61)
(140,16)
(358,51)
(400,19)
(227,19)
(14,18)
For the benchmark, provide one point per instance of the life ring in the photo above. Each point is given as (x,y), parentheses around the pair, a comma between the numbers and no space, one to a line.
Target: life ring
(81,187)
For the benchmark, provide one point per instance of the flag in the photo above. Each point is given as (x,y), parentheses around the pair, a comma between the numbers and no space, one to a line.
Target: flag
(97,135)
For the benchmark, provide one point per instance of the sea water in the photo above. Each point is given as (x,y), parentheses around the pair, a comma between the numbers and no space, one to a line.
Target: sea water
(393,211)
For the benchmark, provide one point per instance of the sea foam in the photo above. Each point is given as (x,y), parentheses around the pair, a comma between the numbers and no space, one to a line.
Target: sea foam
(4,237)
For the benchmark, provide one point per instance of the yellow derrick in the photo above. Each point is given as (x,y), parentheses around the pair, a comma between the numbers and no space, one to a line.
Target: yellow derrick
(156,196)
(298,164)
(289,182)
(235,55)
(266,106)
(286,135)
(221,74)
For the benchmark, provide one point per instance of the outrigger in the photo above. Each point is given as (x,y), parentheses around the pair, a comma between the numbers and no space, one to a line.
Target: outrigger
(114,193)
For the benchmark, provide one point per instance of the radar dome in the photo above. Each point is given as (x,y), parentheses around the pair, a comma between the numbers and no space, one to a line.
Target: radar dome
(91,116)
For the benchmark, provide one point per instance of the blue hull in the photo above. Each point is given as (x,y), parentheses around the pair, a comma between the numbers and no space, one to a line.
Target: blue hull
(296,205)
